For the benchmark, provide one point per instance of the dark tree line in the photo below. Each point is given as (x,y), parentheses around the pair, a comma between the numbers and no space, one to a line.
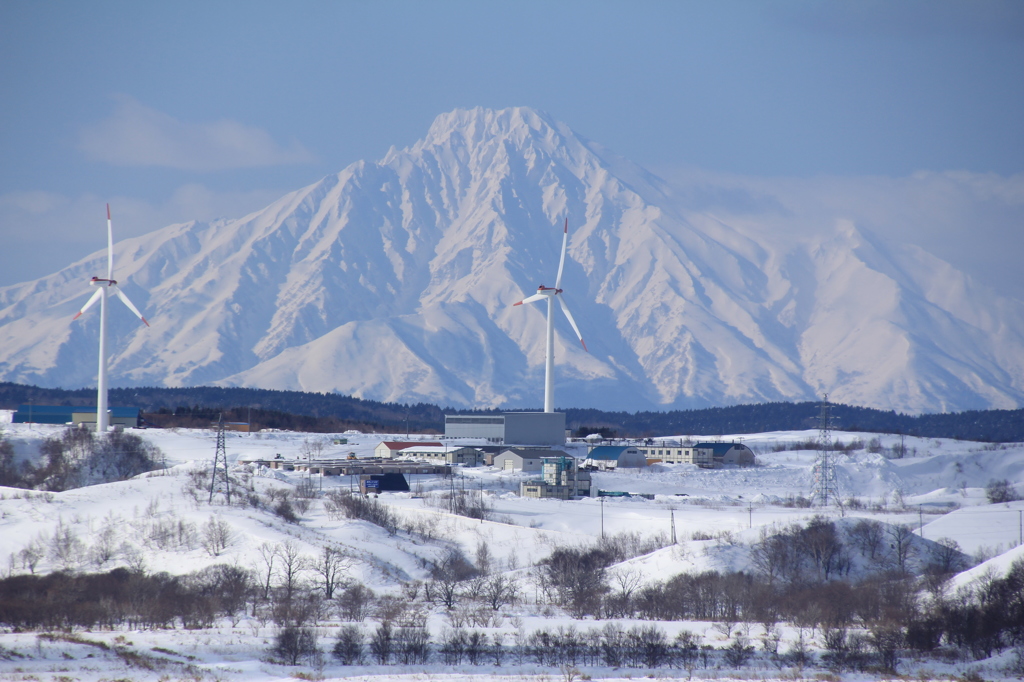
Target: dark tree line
(122,598)
(330,412)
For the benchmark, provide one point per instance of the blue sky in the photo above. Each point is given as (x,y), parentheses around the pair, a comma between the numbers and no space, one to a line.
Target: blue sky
(182,110)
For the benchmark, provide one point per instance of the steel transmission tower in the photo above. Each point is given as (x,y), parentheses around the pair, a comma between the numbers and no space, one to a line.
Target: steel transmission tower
(826,484)
(220,459)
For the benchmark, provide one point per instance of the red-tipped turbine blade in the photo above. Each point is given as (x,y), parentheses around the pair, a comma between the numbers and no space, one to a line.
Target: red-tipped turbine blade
(531,299)
(88,304)
(110,246)
(131,306)
(565,309)
(561,260)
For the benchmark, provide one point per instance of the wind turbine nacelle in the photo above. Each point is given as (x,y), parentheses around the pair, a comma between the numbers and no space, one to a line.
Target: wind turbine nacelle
(96,281)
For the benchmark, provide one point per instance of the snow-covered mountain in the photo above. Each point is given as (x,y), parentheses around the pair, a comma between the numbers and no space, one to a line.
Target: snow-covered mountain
(394,280)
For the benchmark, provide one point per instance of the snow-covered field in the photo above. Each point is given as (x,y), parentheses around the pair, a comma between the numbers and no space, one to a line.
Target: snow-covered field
(939,491)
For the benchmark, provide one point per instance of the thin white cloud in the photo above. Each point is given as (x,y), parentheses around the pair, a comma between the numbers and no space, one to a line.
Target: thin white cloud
(137,135)
(42,232)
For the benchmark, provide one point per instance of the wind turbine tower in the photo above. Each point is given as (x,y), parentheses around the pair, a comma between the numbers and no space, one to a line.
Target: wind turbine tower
(550,294)
(105,287)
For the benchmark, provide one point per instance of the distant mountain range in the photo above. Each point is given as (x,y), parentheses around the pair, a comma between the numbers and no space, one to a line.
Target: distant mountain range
(393,281)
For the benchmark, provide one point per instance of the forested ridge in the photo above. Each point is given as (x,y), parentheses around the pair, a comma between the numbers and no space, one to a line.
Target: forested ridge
(329,412)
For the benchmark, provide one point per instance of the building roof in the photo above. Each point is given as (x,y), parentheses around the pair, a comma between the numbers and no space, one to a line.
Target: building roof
(435,449)
(534,453)
(402,444)
(426,447)
(609,451)
(719,448)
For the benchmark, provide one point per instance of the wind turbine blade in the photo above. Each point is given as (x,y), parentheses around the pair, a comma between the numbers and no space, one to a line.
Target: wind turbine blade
(110,246)
(88,304)
(531,299)
(561,261)
(124,299)
(565,309)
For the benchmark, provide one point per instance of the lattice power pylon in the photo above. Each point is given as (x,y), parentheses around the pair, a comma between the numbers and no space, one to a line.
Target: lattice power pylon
(220,463)
(826,483)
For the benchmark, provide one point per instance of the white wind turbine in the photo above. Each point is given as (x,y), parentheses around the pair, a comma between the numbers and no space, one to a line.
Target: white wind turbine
(103,288)
(550,294)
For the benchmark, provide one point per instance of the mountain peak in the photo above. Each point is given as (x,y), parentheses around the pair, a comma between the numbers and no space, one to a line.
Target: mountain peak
(478,124)
(393,281)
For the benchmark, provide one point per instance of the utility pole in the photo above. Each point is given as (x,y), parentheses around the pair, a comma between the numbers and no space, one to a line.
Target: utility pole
(672,512)
(602,516)
(220,455)
(750,515)
(920,521)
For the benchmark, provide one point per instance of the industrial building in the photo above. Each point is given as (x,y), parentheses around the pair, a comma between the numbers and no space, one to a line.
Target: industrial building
(524,459)
(611,457)
(562,480)
(75,414)
(509,428)
(704,455)
(439,454)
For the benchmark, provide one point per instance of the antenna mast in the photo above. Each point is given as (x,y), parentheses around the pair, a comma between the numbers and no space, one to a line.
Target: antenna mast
(826,484)
(221,455)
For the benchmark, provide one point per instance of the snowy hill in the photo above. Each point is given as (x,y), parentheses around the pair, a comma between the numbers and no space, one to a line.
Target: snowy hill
(159,521)
(393,280)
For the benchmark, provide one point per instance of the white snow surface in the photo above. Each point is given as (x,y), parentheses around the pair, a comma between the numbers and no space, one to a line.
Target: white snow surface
(394,280)
(938,490)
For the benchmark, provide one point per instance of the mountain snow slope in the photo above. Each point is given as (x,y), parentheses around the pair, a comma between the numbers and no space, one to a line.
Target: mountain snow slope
(394,281)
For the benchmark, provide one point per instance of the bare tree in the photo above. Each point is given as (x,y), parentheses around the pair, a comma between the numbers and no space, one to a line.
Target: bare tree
(217,535)
(773,554)
(330,567)
(32,554)
(820,541)
(483,558)
(449,575)
(901,547)
(868,535)
(104,549)
(312,448)
(267,555)
(348,649)
(293,563)
(65,548)
(499,590)
(353,601)
(948,557)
